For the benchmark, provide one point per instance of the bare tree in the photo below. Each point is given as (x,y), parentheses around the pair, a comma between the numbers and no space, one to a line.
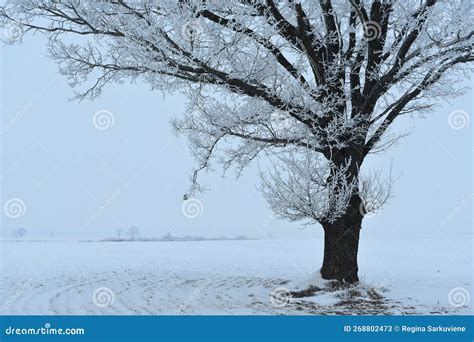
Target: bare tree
(20,232)
(314,86)
(118,232)
(168,237)
(133,231)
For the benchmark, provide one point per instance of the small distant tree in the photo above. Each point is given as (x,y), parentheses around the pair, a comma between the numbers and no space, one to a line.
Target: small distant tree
(118,233)
(168,236)
(20,232)
(133,232)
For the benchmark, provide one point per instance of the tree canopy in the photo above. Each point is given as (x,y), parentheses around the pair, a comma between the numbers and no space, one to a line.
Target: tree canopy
(313,85)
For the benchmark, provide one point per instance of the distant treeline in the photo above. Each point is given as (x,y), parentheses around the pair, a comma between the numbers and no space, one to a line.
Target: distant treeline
(170,237)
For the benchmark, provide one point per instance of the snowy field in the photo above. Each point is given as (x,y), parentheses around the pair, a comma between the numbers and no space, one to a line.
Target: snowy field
(403,276)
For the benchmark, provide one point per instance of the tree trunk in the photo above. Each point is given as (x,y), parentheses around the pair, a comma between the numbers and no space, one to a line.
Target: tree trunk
(341,244)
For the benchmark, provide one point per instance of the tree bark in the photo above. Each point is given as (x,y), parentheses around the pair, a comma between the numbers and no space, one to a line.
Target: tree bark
(341,244)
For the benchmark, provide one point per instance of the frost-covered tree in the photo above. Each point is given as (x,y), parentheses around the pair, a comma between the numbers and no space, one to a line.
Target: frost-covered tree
(133,231)
(20,232)
(313,86)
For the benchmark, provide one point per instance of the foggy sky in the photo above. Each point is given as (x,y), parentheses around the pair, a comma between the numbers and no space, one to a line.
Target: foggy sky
(80,182)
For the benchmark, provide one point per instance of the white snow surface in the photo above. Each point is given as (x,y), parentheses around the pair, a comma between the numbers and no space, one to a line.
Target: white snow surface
(398,276)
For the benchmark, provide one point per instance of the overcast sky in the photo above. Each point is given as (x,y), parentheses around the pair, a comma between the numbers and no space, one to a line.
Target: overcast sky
(77,181)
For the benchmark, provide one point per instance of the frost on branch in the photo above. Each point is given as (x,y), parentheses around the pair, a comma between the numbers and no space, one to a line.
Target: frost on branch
(313,86)
(306,187)
(234,130)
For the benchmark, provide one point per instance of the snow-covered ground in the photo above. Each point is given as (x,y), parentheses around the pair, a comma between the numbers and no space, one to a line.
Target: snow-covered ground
(398,276)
